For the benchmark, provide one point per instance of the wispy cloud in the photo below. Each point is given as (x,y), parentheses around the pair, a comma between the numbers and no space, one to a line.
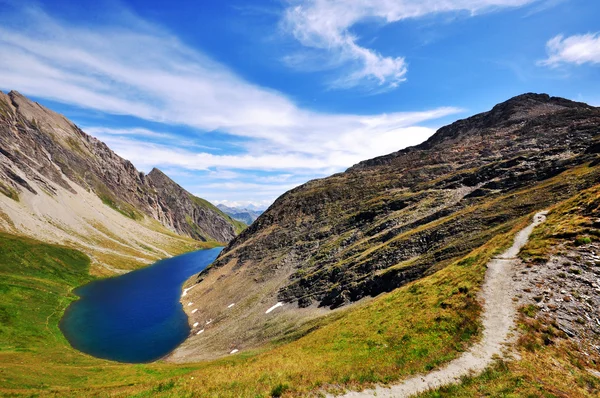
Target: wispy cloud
(325,26)
(136,131)
(316,153)
(576,49)
(137,69)
(143,135)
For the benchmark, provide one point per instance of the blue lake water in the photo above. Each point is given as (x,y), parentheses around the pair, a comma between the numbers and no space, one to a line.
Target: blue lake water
(136,317)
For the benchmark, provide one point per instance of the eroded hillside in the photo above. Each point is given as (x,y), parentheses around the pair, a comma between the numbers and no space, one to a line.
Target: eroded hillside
(61,185)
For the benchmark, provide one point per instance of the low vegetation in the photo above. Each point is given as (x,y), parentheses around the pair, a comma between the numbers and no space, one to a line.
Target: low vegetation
(125,209)
(549,364)
(413,329)
(543,369)
(36,283)
(9,192)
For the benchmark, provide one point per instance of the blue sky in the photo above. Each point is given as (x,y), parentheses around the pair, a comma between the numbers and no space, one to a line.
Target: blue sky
(239,101)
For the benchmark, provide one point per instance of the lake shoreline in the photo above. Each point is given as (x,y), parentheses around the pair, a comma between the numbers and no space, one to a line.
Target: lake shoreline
(136,317)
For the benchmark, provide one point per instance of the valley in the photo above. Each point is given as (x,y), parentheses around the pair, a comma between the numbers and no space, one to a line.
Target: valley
(356,281)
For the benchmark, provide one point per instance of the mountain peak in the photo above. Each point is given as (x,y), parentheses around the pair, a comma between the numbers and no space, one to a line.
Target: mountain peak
(540,97)
(15,93)
(518,109)
(521,105)
(156,172)
(511,112)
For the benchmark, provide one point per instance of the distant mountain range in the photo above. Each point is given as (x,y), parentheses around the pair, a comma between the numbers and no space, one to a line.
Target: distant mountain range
(247,215)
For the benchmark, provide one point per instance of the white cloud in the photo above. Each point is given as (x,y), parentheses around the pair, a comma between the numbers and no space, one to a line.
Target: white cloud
(325,25)
(137,69)
(135,131)
(237,194)
(142,71)
(142,135)
(317,153)
(576,49)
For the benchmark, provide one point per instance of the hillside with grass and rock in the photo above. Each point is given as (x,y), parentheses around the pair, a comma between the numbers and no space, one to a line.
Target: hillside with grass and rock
(392,220)
(61,185)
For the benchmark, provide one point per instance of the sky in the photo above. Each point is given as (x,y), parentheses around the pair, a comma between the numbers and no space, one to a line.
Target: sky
(241,100)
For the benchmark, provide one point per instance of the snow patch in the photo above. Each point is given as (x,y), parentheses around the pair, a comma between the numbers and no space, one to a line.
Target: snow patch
(194,311)
(234,351)
(200,331)
(230,305)
(280,304)
(186,290)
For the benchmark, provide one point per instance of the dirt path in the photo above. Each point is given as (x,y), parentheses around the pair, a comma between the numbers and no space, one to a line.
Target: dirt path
(499,314)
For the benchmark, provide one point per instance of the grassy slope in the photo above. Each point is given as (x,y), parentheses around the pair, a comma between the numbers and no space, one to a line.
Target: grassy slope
(413,329)
(36,281)
(555,370)
(410,330)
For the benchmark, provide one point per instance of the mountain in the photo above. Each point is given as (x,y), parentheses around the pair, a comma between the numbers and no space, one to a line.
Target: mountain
(61,185)
(466,205)
(393,219)
(243,214)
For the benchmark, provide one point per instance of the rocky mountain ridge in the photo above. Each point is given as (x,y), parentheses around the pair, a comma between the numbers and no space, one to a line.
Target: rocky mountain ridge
(393,219)
(47,161)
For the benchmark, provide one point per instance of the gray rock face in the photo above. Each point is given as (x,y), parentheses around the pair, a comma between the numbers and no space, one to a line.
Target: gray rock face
(201,219)
(49,149)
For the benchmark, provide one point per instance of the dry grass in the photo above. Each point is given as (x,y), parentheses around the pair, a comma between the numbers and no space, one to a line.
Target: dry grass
(412,329)
(549,364)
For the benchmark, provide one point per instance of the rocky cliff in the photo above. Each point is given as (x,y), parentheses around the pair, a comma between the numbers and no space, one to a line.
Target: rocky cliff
(394,219)
(197,217)
(53,174)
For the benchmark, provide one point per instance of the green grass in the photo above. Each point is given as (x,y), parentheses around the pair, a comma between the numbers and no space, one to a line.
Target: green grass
(125,209)
(541,371)
(35,283)
(412,329)
(548,364)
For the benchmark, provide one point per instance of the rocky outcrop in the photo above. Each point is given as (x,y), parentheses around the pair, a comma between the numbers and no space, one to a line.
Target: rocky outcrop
(39,145)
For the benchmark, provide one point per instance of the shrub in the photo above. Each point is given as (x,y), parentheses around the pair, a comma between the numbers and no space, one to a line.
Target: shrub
(582,240)
(279,389)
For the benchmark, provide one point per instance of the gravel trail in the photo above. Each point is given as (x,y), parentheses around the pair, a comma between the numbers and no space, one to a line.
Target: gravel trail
(499,315)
